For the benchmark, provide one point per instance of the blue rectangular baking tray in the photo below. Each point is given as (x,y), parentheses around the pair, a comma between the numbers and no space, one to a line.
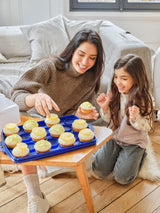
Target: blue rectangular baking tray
(56,148)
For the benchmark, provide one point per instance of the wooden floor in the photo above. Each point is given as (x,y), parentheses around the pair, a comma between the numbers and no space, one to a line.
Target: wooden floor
(65,195)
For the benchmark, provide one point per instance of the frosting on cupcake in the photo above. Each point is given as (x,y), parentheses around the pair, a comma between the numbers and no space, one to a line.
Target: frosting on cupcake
(12,140)
(79,124)
(86,107)
(56,130)
(54,119)
(42,146)
(38,133)
(66,139)
(10,128)
(20,150)
(29,125)
(86,135)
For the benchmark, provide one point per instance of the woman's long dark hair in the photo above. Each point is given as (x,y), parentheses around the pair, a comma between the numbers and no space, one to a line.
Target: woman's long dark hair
(139,94)
(80,37)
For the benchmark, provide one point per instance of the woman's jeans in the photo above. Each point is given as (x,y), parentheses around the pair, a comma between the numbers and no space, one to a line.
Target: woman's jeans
(124,161)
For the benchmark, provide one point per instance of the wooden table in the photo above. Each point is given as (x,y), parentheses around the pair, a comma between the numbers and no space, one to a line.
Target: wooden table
(74,158)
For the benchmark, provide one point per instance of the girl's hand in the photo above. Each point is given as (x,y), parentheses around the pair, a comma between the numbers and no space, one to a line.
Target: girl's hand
(133,112)
(42,102)
(92,115)
(103,101)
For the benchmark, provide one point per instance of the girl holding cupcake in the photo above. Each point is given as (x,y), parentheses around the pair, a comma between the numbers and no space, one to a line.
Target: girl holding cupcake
(59,85)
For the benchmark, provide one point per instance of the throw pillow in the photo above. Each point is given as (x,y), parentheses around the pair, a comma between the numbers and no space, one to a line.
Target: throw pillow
(13,43)
(2,58)
(73,26)
(46,38)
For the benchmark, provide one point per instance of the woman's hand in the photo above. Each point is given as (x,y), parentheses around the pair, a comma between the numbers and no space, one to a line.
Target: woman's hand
(42,102)
(133,112)
(103,101)
(92,115)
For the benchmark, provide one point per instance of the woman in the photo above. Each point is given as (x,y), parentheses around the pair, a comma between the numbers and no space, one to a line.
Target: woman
(53,84)
(60,84)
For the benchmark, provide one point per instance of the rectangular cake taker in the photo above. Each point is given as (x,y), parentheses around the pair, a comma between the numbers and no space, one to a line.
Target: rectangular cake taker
(56,149)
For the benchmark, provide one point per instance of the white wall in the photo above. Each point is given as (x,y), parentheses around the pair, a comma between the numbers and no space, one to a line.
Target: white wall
(18,12)
(144,25)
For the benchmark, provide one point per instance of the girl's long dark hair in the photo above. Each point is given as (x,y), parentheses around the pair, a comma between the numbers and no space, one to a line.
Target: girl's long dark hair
(84,35)
(139,94)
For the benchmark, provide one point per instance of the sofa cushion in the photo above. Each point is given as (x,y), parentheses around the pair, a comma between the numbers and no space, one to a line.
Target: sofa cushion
(6,87)
(73,26)
(10,73)
(46,38)
(13,43)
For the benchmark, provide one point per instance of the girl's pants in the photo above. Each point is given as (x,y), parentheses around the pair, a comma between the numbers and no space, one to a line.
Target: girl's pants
(124,161)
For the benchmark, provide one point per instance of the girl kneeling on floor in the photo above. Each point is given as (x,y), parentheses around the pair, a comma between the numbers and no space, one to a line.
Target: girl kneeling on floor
(128,109)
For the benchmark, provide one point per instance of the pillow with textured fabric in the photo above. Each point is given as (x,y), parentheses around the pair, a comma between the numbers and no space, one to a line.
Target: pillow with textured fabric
(2,58)
(73,26)
(6,87)
(46,38)
(13,43)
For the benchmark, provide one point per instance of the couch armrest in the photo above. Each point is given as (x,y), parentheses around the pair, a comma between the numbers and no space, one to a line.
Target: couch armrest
(117,42)
(156,78)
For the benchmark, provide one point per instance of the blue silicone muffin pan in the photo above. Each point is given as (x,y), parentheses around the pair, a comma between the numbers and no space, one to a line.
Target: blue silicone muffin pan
(56,148)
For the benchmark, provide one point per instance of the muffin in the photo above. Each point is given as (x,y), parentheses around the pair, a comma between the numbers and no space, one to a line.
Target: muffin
(12,140)
(38,133)
(20,150)
(56,130)
(10,129)
(42,146)
(66,139)
(86,107)
(50,121)
(29,125)
(79,124)
(86,135)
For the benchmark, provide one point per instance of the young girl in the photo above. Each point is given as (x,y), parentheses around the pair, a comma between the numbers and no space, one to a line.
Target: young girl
(128,109)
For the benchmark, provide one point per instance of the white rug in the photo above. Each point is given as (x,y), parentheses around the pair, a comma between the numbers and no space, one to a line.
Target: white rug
(150,169)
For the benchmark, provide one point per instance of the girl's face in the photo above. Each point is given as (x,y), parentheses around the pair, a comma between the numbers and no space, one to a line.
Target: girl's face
(84,57)
(123,80)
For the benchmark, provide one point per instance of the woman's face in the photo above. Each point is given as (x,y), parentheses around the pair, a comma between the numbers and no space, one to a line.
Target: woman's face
(84,57)
(123,80)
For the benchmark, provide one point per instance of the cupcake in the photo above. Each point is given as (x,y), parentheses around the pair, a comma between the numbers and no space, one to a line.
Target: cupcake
(42,146)
(86,135)
(54,119)
(86,107)
(12,140)
(66,139)
(56,130)
(20,150)
(29,125)
(79,124)
(10,129)
(38,133)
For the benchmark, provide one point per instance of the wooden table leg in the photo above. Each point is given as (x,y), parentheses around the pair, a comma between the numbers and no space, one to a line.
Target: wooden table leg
(83,179)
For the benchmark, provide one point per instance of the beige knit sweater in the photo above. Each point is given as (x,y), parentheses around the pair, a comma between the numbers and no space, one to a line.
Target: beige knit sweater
(136,133)
(67,88)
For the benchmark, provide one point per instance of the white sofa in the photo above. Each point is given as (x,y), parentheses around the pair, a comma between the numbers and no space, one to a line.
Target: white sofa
(22,46)
(156,78)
